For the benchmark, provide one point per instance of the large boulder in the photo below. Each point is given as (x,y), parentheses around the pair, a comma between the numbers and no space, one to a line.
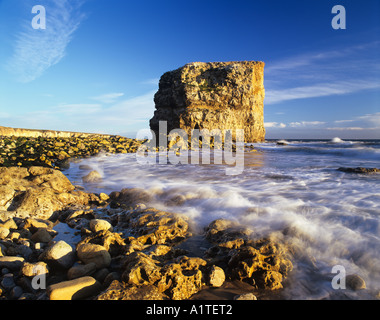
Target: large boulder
(76,289)
(94,253)
(59,255)
(215,95)
(37,192)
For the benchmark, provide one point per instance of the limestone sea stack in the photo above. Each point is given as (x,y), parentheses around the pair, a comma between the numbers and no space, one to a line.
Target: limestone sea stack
(214,95)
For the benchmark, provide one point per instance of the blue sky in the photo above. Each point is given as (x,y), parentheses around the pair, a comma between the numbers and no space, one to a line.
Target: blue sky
(96,66)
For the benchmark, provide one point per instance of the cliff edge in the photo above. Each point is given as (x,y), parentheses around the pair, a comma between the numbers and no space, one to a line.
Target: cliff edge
(35,133)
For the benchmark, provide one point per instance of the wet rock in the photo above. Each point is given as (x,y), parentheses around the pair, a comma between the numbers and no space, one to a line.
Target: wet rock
(141,270)
(151,226)
(3,250)
(121,291)
(102,274)
(93,176)
(245,296)
(8,282)
(130,197)
(181,281)
(50,178)
(262,263)
(355,282)
(22,250)
(227,234)
(76,289)
(39,192)
(4,232)
(191,263)
(9,224)
(103,196)
(81,270)
(282,142)
(7,194)
(59,255)
(359,170)
(97,225)
(36,224)
(216,276)
(158,250)
(33,269)
(12,263)
(112,242)
(263,266)
(94,253)
(16,292)
(42,235)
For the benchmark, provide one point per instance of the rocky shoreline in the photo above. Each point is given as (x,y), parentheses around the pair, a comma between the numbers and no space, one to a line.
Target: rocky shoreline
(122,249)
(24,151)
(59,242)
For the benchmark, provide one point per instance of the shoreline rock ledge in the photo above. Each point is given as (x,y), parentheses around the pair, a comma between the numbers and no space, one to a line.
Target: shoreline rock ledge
(214,95)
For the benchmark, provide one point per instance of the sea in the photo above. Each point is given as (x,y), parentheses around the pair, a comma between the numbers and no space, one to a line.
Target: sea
(290,190)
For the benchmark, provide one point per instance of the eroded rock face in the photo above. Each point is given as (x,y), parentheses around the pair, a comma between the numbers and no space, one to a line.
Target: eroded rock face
(178,280)
(122,291)
(218,95)
(262,263)
(152,226)
(37,192)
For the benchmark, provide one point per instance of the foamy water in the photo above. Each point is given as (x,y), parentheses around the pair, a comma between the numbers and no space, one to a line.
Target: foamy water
(293,192)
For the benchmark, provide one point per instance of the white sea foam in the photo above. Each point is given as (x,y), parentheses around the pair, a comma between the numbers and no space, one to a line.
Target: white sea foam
(328,216)
(337,140)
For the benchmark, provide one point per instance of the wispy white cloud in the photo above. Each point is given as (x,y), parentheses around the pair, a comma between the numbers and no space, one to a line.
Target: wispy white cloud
(108,97)
(274,125)
(35,51)
(365,122)
(320,90)
(366,126)
(343,121)
(323,74)
(303,124)
(349,129)
(373,119)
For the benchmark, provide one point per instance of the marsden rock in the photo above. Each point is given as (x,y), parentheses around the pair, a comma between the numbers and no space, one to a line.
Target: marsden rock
(215,95)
